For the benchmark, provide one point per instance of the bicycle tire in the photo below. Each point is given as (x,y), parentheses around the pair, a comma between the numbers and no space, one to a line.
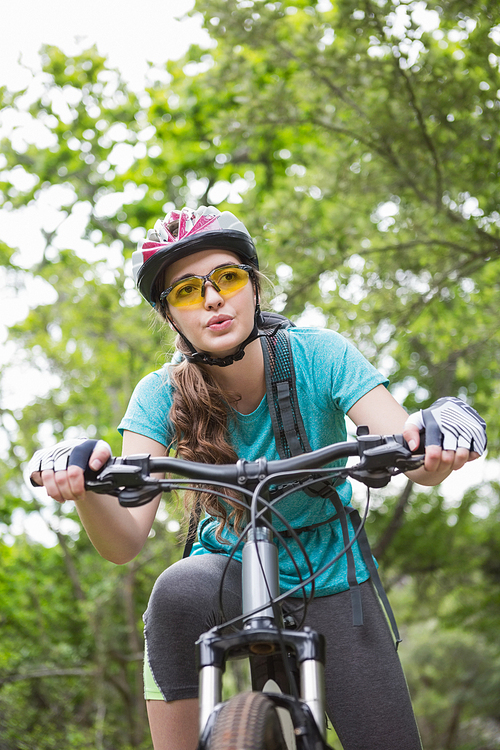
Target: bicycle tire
(249,721)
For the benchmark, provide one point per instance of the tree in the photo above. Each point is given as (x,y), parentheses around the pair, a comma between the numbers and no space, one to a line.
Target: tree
(443,576)
(71,665)
(374,147)
(364,149)
(71,652)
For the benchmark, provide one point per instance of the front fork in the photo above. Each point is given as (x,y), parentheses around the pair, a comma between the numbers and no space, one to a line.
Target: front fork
(260,582)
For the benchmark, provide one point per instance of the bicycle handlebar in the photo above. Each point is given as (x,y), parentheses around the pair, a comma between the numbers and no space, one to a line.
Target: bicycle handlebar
(130,478)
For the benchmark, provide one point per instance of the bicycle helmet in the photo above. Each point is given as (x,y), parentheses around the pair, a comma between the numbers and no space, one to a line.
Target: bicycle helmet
(182,233)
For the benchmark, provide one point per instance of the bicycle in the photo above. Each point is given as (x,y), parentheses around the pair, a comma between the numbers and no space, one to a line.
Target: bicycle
(250,720)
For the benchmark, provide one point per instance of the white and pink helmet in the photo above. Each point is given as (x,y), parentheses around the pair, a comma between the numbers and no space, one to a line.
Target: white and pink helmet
(204,228)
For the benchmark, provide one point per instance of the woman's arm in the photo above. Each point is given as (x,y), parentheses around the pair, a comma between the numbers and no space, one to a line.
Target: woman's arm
(117,533)
(384,416)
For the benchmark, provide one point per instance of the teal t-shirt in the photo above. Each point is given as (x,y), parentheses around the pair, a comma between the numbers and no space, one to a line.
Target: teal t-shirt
(331,376)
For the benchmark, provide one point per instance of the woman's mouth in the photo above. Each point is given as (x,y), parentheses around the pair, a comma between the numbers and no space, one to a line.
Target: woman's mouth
(219,322)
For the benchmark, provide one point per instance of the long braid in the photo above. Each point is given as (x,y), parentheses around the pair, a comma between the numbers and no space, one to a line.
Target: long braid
(199,415)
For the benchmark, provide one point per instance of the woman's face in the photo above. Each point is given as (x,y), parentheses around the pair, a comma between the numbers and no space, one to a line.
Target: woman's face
(218,325)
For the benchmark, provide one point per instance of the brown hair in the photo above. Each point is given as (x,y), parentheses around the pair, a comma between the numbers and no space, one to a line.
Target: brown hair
(199,414)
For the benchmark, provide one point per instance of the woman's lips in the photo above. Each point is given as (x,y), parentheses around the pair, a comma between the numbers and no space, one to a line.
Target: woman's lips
(219,324)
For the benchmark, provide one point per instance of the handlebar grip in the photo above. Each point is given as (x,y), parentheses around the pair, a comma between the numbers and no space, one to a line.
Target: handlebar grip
(80,456)
(422,443)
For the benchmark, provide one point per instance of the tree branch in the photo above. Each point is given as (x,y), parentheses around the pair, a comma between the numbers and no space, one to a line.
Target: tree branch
(415,107)
(43,672)
(70,567)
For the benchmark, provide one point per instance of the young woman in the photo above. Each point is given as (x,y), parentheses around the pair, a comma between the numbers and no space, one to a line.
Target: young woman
(199,269)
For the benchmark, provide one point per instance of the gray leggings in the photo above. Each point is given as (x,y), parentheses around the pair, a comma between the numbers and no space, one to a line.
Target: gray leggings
(366,692)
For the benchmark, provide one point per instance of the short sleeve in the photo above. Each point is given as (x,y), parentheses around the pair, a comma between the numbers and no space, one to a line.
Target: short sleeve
(149,407)
(330,370)
(352,377)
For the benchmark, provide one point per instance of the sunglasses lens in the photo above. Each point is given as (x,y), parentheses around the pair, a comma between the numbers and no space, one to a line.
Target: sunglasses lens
(230,279)
(227,281)
(187,292)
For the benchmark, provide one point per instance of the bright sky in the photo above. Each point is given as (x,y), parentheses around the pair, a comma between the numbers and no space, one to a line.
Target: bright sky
(129,33)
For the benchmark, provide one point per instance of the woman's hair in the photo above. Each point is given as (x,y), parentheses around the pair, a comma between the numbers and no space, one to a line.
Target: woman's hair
(199,414)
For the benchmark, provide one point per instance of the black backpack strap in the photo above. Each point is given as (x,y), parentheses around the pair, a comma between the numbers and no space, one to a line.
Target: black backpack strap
(289,432)
(287,417)
(291,440)
(289,534)
(282,400)
(364,546)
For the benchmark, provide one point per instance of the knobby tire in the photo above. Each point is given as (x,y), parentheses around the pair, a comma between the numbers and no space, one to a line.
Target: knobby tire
(249,721)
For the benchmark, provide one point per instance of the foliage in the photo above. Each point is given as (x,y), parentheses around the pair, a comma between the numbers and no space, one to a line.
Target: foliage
(362,151)
(71,656)
(442,571)
(375,152)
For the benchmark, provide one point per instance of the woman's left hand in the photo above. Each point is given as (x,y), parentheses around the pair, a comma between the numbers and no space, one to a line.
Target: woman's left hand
(454,434)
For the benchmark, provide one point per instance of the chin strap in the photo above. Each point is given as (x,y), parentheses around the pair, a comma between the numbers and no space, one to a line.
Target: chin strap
(206,359)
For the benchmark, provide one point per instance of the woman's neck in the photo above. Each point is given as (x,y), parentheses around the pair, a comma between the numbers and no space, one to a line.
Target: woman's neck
(244,378)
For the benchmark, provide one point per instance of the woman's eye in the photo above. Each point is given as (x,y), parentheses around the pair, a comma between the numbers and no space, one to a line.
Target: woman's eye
(185,290)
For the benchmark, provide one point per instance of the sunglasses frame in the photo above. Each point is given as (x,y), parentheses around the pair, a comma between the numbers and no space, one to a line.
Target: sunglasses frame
(204,279)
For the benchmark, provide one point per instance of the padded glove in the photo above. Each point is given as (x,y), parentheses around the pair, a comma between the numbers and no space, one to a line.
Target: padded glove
(57,458)
(451,423)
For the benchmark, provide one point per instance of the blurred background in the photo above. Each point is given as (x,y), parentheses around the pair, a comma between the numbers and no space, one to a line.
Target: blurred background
(360,143)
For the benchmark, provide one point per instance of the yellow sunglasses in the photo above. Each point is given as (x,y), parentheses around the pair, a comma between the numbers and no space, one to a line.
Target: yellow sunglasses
(190,291)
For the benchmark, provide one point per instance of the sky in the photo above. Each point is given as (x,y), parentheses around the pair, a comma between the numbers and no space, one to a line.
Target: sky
(129,33)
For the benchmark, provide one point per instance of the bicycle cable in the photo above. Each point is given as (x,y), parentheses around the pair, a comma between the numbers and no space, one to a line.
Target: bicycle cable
(315,575)
(333,472)
(183,485)
(330,472)
(279,536)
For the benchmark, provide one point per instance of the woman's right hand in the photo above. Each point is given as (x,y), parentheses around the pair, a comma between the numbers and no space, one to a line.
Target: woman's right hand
(50,468)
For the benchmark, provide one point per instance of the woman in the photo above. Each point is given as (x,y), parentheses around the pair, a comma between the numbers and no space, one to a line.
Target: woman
(199,269)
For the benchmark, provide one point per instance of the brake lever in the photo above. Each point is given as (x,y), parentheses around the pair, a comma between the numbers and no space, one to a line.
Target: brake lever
(128,479)
(411,460)
(380,456)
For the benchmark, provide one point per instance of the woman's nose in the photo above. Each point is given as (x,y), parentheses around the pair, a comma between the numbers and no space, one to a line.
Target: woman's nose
(212,297)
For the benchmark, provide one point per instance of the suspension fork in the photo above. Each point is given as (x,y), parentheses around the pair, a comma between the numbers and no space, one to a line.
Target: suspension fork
(260,582)
(213,649)
(260,579)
